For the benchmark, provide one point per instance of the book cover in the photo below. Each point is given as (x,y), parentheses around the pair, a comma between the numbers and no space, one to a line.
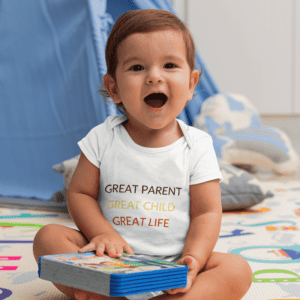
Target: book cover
(128,275)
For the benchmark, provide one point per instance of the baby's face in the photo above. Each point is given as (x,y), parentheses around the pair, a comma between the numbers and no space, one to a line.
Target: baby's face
(153,78)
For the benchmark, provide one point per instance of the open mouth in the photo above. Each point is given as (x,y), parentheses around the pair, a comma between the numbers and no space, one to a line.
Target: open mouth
(156,100)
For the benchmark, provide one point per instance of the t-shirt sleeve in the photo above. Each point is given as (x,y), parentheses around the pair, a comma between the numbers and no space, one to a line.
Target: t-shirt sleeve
(203,162)
(90,146)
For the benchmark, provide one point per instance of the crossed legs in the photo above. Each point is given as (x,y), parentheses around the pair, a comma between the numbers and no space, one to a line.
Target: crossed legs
(225,276)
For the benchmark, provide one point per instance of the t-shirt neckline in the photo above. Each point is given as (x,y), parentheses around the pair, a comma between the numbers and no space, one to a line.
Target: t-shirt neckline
(148,149)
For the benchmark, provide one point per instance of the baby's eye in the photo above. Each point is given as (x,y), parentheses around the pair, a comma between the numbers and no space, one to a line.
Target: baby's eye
(136,68)
(170,66)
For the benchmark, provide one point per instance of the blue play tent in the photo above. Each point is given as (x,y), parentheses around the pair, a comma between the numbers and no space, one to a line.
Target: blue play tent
(51,64)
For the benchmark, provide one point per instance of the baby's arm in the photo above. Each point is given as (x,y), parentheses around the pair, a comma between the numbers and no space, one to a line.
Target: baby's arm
(206,215)
(83,208)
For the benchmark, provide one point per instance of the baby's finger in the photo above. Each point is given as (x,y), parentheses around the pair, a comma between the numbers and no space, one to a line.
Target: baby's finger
(100,249)
(88,247)
(127,249)
(111,250)
(174,291)
(179,290)
(119,250)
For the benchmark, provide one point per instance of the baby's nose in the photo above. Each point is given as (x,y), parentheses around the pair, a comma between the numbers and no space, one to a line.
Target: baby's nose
(154,76)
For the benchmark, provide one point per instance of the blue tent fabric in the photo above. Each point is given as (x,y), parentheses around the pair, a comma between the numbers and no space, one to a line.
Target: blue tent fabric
(51,65)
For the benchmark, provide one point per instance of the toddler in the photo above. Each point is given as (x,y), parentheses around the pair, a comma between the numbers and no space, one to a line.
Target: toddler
(146,183)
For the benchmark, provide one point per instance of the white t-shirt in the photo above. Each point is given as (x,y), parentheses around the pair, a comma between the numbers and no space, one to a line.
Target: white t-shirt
(144,192)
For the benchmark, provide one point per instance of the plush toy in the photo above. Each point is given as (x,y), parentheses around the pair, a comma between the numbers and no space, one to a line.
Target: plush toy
(240,139)
(239,189)
(66,168)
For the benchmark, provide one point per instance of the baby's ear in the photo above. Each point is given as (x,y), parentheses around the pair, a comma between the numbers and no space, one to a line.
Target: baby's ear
(193,81)
(111,87)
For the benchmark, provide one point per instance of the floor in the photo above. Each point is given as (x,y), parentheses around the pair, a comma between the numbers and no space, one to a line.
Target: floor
(267,236)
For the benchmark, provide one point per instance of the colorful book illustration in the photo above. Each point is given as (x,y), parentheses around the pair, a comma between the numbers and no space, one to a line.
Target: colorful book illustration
(128,275)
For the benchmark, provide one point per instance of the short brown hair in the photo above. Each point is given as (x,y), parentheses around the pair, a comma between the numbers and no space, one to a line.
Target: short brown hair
(147,20)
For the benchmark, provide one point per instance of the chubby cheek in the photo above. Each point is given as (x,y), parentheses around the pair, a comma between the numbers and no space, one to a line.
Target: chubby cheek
(180,87)
(131,85)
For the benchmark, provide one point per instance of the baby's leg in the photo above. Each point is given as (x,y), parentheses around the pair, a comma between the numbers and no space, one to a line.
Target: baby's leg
(58,239)
(225,276)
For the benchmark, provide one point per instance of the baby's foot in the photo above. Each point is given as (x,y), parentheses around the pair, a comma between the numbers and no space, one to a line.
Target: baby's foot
(84,295)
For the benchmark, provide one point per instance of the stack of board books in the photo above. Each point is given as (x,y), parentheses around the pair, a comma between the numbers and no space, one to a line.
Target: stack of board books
(128,275)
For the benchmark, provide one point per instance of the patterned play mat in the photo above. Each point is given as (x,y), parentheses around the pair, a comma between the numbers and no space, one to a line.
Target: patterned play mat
(267,236)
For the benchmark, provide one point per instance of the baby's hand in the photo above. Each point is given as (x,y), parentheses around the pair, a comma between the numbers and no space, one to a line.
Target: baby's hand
(110,242)
(194,268)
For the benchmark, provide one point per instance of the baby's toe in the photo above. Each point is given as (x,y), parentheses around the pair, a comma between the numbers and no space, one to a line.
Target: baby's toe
(82,295)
